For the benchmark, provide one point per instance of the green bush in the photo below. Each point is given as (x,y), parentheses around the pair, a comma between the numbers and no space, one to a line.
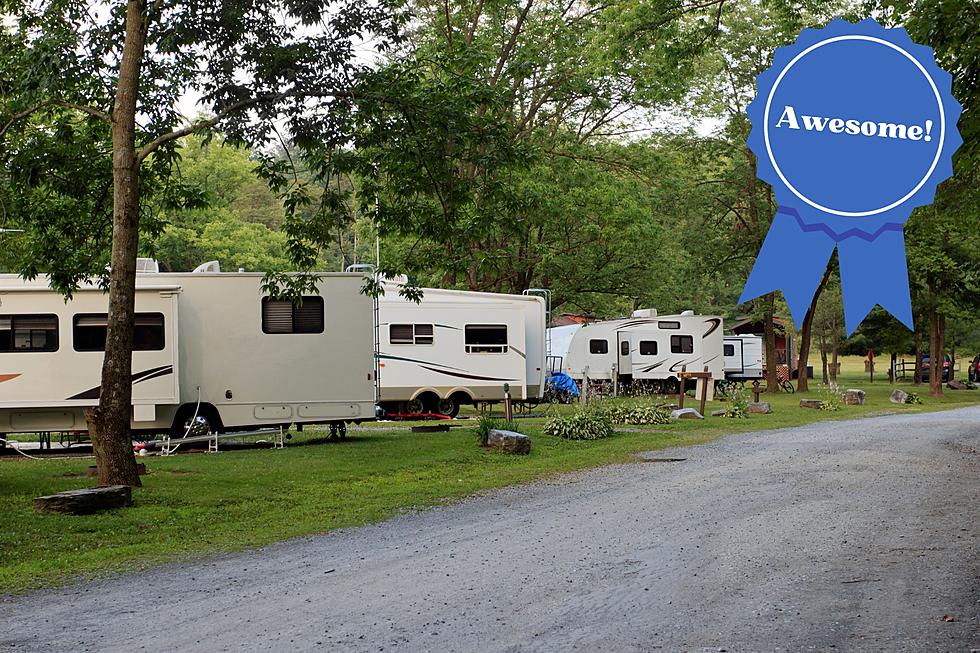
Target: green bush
(588,424)
(834,398)
(633,412)
(913,398)
(738,403)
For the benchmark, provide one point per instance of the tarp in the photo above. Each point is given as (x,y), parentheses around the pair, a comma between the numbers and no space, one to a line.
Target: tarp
(561,382)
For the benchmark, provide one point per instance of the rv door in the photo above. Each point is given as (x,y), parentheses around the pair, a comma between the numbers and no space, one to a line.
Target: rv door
(624,353)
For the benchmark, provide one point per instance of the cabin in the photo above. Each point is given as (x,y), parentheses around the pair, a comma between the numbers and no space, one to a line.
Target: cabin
(209,348)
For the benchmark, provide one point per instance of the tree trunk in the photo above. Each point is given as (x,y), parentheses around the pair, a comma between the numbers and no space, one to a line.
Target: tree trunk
(769,331)
(802,384)
(833,357)
(935,342)
(917,374)
(110,421)
(823,366)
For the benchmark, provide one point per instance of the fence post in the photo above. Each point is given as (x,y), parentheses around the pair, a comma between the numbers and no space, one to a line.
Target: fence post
(704,390)
(615,377)
(680,394)
(584,398)
(508,407)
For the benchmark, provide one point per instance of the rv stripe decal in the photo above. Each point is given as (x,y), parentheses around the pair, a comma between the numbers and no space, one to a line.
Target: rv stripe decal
(466,376)
(652,367)
(8,377)
(139,377)
(415,360)
(519,352)
(715,323)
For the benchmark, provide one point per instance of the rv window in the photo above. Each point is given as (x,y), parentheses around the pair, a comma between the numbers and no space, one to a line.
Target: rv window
(280,316)
(681,344)
(89,332)
(486,338)
(729,350)
(598,346)
(21,333)
(648,348)
(410,334)
(668,325)
(624,348)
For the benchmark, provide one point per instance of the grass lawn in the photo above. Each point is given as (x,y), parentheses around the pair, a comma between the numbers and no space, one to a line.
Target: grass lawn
(197,504)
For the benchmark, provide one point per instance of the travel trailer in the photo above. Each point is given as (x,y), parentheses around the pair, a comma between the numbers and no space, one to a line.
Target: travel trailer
(743,357)
(210,351)
(647,351)
(458,347)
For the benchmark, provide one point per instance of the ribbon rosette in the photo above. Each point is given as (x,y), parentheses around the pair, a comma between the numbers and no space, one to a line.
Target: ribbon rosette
(853,126)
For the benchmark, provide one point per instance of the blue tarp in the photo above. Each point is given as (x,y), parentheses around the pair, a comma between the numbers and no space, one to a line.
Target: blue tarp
(561,382)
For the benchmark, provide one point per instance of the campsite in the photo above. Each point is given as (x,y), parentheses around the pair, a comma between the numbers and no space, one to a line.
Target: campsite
(511,326)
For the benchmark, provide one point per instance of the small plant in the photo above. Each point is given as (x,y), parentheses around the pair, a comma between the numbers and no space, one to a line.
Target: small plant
(587,424)
(970,385)
(483,428)
(833,398)
(633,412)
(738,403)
(913,398)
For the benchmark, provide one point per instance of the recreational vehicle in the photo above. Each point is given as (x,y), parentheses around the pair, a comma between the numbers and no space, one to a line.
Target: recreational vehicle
(458,347)
(647,351)
(209,349)
(743,357)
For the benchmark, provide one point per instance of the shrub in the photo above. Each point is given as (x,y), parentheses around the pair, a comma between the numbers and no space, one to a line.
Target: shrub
(588,424)
(738,403)
(633,412)
(913,398)
(834,397)
(483,428)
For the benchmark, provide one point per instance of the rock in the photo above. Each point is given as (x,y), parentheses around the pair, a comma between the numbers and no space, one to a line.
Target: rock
(87,501)
(954,384)
(509,441)
(854,397)
(760,407)
(898,397)
(719,413)
(686,413)
(811,403)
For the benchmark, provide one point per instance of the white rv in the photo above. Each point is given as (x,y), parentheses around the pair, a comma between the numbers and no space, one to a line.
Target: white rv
(458,347)
(205,343)
(743,357)
(647,350)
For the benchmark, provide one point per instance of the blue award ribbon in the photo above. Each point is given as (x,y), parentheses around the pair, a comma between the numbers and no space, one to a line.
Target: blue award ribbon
(853,126)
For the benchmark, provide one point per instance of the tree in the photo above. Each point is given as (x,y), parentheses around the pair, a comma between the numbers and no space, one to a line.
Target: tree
(120,72)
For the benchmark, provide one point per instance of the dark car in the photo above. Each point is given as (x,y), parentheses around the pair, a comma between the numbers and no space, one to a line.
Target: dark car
(946,373)
(974,373)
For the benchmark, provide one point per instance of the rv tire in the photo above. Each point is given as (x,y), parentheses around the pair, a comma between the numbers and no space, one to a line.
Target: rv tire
(206,412)
(448,407)
(671,386)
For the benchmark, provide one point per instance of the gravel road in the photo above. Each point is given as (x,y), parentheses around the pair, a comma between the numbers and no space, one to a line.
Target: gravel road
(848,536)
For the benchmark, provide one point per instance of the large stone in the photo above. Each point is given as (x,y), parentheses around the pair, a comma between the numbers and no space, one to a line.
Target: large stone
(811,403)
(760,407)
(898,396)
(509,441)
(87,501)
(854,397)
(686,413)
(955,384)
(719,413)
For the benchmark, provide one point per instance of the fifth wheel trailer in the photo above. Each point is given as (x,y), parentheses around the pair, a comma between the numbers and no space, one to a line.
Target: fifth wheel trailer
(459,347)
(743,357)
(205,343)
(647,350)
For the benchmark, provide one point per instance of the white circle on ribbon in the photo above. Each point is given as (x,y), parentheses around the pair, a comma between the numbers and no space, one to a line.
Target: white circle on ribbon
(939,149)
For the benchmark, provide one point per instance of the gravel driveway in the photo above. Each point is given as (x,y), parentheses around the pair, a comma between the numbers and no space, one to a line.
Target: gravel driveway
(846,536)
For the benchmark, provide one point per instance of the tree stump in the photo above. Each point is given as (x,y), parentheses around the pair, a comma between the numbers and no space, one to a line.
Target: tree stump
(86,501)
(811,403)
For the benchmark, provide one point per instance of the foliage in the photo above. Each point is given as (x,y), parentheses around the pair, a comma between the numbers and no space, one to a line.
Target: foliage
(633,412)
(913,398)
(833,397)
(483,428)
(583,424)
(738,403)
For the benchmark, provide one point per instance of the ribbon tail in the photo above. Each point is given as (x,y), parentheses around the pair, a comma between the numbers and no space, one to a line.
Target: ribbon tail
(874,272)
(791,260)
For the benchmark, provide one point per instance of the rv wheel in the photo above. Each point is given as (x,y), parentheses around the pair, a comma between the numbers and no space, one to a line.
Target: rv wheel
(672,386)
(415,407)
(207,421)
(448,407)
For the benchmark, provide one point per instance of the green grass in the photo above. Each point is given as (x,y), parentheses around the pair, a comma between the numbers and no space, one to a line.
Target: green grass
(199,504)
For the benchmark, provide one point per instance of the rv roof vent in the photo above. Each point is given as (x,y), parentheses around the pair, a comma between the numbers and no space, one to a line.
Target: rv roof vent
(144,265)
(687,313)
(645,312)
(210,266)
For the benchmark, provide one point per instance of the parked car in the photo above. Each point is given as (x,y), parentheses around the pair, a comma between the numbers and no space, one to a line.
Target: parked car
(974,372)
(926,367)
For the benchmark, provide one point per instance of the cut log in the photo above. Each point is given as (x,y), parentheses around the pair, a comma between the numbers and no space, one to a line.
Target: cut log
(87,501)
(759,407)
(854,397)
(811,403)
